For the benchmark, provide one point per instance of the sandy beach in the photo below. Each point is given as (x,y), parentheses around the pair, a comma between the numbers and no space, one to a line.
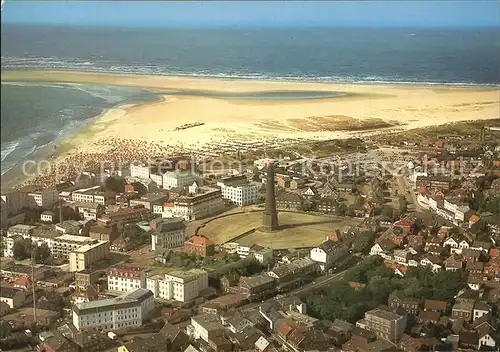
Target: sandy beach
(158,124)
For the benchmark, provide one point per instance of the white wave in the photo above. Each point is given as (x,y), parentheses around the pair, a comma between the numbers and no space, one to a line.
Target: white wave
(107,66)
(8,149)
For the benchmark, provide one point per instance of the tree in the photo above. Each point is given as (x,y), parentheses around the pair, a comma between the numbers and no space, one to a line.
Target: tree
(341,209)
(402,205)
(115,184)
(22,249)
(363,241)
(42,254)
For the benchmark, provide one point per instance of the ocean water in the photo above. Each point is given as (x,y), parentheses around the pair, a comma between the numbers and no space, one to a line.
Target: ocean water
(35,117)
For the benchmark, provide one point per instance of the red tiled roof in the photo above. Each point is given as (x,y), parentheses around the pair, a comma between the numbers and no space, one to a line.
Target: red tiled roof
(200,241)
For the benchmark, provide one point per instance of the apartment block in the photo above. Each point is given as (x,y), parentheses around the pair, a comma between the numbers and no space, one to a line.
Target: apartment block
(123,278)
(127,310)
(178,285)
(385,324)
(170,233)
(203,202)
(238,190)
(172,179)
(83,257)
(44,198)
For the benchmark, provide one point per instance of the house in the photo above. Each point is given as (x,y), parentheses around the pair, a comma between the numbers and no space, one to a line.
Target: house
(310,192)
(474,267)
(480,309)
(468,340)
(481,246)
(409,305)
(475,282)
(327,253)
(340,330)
(453,263)
(384,246)
(471,255)
(289,200)
(177,337)
(402,256)
(435,306)
(204,326)
(428,317)
(432,261)
(200,245)
(485,324)
(13,297)
(47,216)
(488,340)
(256,287)
(462,310)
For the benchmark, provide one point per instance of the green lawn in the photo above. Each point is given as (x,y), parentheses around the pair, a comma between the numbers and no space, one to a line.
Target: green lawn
(298,230)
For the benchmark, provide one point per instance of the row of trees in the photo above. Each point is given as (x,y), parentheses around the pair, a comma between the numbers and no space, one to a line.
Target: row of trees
(378,285)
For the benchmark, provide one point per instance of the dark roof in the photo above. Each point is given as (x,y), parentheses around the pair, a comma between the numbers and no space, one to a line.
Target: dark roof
(328,245)
(430,304)
(288,197)
(469,338)
(153,343)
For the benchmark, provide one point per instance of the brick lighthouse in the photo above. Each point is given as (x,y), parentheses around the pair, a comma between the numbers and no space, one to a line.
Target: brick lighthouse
(270,216)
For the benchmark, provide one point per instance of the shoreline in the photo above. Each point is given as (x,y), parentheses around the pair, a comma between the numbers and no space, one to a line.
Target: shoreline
(268,79)
(130,130)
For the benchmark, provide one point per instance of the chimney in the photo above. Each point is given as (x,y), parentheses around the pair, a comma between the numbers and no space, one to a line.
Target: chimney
(60,211)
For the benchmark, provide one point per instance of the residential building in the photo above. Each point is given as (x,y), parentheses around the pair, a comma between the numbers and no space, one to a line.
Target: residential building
(47,216)
(92,195)
(182,286)
(289,200)
(172,179)
(462,309)
(328,253)
(83,257)
(149,200)
(127,310)
(204,202)
(86,278)
(124,278)
(44,198)
(238,190)
(200,245)
(386,324)
(101,233)
(14,297)
(61,246)
(480,309)
(169,233)
(409,305)
(204,326)
(139,170)
(88,211)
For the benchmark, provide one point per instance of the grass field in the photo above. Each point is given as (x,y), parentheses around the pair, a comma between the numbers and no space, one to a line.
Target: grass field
(298,230)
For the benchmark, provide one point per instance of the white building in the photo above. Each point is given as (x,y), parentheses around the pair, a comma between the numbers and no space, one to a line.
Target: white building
(327,253)
(177,178)
(157,178)
(170,233)
(238,190)
(89,195)
(206,201)
(44,198)
(202,325)
(139,170)
(178,285)
(123,279)
(127,310)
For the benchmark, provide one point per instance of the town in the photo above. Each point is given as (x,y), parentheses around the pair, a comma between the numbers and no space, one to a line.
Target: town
(386,242)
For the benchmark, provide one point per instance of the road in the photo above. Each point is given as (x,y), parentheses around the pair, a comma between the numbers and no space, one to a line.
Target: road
(407,190)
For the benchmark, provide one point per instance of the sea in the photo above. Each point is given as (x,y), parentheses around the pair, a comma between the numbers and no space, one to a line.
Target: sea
(36,116)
